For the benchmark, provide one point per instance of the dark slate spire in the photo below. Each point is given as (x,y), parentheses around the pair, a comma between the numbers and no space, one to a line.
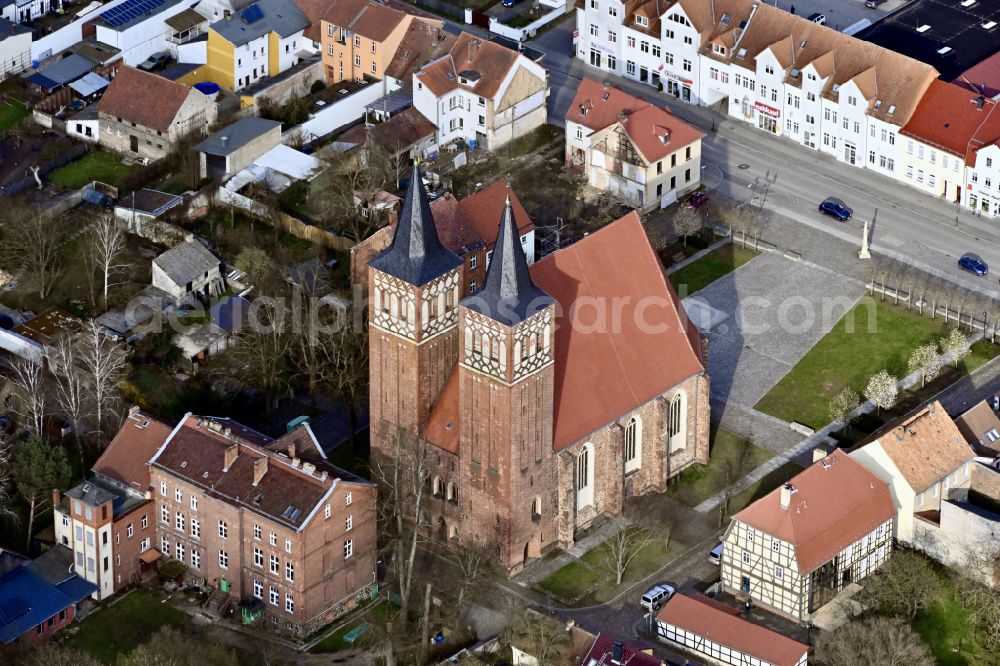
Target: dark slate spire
(508,295)
(416,256)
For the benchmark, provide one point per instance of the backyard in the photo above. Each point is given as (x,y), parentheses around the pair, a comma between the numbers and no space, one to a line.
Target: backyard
(871,336)
(703,272)
(98,165)
(118,628)
(375,618)
(946,626)
(11,113)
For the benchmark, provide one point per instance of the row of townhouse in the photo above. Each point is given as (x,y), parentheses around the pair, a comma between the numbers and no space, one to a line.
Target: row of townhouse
(857,102)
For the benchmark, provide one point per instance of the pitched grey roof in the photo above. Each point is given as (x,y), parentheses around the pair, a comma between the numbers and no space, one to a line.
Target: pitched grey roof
(280,16)
(230,139)
(91,493)
(508,295)
(416,255)
(186,262)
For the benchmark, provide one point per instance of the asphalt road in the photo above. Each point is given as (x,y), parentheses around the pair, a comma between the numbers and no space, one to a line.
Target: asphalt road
(792,180)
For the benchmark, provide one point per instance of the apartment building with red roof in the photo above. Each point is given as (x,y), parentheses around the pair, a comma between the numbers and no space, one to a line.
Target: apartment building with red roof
(265,523)
(525,451)
(796,548)
(631,148)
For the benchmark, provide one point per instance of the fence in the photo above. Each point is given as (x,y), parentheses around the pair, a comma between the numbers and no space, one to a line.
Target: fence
(442,7)
(528,31)
(287,223)
(345,111)
(28,182)
(935,309)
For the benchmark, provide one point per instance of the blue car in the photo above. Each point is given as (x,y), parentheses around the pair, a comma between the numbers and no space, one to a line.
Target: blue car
(836,208)
(974,264)
(509,3)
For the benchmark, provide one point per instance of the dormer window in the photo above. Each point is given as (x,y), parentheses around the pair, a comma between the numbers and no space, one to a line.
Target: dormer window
(719,49)
(642,20)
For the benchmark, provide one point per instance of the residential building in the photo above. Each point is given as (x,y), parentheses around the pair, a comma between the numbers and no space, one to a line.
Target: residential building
(631,148)
(107,522)
(268,522)
(188,272)
(360,38)
(40,598)
(130,124)
(481,92)
(525,452)
(937,141)
(921,457)
(710,629)
(766,67)
(15,48)
(24,11)
(424,42)
(139,28)
(982,162)
(262,39)
(982,78)
(406,135)
(980,426)
(607,651)
(796,548)
(237,146)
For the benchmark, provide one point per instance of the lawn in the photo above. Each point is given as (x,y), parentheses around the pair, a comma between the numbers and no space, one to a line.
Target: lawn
(703,272)
(376,617)
(119,628)
(872,336)
(946,627)
(699,482)
(11,113)
(98,165)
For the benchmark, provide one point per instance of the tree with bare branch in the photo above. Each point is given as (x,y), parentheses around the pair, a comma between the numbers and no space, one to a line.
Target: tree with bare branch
(687,222)
(349,202)
(104,361)
(260,356)
(32,241)
(875,641)
(620,549)
(104,244)
(31,388)
(6,506)
(72,393)
(473,561)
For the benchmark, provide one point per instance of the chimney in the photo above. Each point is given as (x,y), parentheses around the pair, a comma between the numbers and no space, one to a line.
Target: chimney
(786,495)
(229,15)
(818,454)
(617,652)
(56,497)
(133,410)
(323,475)
(224,140)
(259,469)
(291,449)
(231,453)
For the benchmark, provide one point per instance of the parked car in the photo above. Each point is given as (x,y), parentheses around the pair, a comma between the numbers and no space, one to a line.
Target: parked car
(715,556)
(836,208)
(154,62)
(873,4)
(509,3)
(658,595)
(696,200)
(818,18)
(974,264)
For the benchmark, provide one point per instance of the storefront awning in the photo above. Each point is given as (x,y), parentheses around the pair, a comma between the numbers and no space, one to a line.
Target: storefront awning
(150,556)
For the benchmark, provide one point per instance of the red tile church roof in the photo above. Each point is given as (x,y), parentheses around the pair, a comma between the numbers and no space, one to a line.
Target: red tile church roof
(651,348)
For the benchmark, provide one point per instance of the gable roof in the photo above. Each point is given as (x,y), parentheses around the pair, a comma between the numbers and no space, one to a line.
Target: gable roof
(126,457)
(601,653)
(261,18)
(377,22)
(834,502)
(27,600)
(453,226)
(948,117)
(633,363)
(131,91)
(423,42)
(233,137)
(981,427)
(396,135)
(315,12)
(484,207)
(983,77)
(723,625)
(925,446)
(652,130)
(186,262)
(469,55)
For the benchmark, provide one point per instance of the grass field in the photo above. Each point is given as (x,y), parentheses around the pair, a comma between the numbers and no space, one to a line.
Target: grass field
(703,272)
(377,617)
(947,628)
(697,483)
(872,336)
(98,165)
(11,113)
(119,628)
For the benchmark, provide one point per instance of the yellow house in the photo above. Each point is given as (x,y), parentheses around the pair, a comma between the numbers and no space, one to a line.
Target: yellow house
(263,39)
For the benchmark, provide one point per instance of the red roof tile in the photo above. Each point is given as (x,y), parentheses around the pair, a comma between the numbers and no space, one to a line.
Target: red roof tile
(654,131)
(948,118)
(836,502)
(484,208)
(703,616)
(601,654)
(144,99)
(983,77)
(490,60)
(453,226)
(125,460)
(649,352)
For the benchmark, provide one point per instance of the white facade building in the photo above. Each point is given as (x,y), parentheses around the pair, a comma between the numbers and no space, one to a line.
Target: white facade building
(143,36)
(15,49)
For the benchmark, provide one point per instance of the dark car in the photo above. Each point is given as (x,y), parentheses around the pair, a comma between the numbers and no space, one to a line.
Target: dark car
(696,200)
(836,208)
(974,264)
(873,4)
(509,3)
(154,62)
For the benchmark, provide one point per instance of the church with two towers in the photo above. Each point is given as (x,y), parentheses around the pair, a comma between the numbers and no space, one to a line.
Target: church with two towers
(549,395)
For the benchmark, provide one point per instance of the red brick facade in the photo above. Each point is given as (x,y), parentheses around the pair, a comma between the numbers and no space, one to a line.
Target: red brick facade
(45,630)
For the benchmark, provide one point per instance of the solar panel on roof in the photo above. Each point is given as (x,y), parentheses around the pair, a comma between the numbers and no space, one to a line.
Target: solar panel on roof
(252,13)
(129,10)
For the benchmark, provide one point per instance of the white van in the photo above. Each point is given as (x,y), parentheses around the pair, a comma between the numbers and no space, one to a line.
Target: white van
(715,557)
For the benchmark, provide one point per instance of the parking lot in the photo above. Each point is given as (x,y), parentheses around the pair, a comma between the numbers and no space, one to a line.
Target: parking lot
(839,14)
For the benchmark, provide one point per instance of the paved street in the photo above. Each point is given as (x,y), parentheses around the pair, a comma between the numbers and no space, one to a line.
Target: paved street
(792,180)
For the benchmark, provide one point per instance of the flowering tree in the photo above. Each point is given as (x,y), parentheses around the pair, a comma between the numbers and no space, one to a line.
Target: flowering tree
(957,345)
(926,360)
(882,390)
(843,404)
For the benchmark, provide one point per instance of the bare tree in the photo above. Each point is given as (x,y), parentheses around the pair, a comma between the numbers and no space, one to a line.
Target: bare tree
(882,390)
(926,360)
(876,641)
(541,637)
(32,393)
(902,586)
(621,548)
(256,263)
(104,362)
(349,203)
(473,561)
(738,220)
(687,222)
(983,603)
(843,405)
(734,468)
(402,472)
(32,240)
(260,355)
(104,244)
(6,508)
(72,392)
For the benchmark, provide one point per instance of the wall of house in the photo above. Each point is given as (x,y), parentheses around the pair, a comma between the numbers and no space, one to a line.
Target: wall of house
(15,54)
(89,537)
(344,111)
(133,534)
(220,67)
(283,90)
(931,170)
(138,42)
(45,630)
(982,182)
(84,130)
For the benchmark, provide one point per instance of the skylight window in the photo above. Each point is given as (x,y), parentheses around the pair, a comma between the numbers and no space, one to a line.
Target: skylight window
(924,28)
(741,53)
(945,50)
(989,25)
(892,109)
(878,104)
(968,3)
(725,18)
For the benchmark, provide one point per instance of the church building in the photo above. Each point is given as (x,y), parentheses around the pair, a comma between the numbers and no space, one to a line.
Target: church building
(549,395)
